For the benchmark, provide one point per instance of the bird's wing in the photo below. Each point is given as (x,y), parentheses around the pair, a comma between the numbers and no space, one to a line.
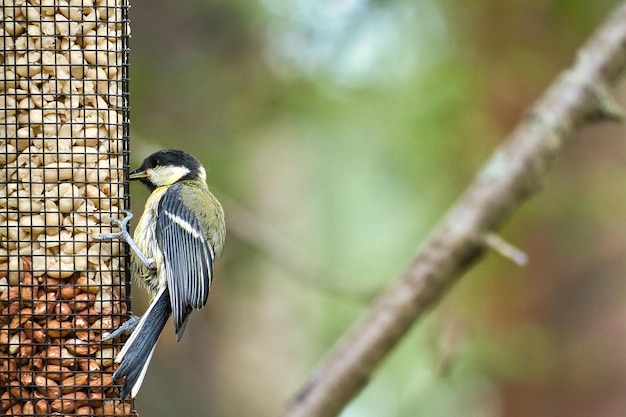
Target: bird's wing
(187,257)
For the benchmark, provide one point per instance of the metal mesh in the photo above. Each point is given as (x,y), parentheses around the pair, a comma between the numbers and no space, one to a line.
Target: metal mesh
(63,157)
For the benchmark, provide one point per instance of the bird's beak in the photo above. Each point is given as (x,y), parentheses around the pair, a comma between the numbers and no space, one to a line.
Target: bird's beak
(137,174)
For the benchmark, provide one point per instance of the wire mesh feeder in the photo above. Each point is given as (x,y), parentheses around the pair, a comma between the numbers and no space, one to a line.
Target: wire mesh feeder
(63,158)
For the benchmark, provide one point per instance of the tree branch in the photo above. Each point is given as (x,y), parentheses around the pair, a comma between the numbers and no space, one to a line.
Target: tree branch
(515,171)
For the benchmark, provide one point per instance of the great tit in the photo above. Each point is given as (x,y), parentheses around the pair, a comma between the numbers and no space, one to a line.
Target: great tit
(179,235)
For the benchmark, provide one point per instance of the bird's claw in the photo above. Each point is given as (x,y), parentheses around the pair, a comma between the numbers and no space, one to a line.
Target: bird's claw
(124,235)
(125,328)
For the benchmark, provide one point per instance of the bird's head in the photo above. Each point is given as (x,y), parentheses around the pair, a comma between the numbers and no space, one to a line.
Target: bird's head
(167,167)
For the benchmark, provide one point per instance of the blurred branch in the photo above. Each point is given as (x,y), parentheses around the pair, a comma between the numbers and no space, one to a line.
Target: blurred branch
(505,249)
(515,171)
(251,229)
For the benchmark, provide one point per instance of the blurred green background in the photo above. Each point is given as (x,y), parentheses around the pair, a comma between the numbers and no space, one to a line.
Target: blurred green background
(337,134)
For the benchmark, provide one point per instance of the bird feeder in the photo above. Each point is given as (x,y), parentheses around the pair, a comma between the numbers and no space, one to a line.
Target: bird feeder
(64,129)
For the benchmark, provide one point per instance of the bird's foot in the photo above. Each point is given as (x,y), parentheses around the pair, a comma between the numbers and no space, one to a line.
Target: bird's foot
(124,235)
(125,329)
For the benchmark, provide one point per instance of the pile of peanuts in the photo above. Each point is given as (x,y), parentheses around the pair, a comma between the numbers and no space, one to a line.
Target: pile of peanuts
(52,359)
(62,153)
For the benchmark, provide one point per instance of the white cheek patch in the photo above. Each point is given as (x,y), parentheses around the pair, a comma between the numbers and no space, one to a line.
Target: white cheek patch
(166,175)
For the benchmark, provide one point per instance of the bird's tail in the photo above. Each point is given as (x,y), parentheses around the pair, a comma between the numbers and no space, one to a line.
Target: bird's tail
(135,356)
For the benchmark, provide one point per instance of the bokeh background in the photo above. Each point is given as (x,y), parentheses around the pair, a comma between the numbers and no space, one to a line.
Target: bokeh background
(337,133)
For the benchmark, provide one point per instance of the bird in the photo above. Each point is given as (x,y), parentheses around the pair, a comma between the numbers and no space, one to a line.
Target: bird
(178,236)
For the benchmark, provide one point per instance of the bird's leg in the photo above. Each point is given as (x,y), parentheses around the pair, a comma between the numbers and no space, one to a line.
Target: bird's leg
(126,237)
(126,328)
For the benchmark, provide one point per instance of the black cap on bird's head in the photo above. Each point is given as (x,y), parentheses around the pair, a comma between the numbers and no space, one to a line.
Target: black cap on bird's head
(167,167)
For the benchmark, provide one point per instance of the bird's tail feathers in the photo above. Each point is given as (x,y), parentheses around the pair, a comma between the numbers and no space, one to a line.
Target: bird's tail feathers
(135,356)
